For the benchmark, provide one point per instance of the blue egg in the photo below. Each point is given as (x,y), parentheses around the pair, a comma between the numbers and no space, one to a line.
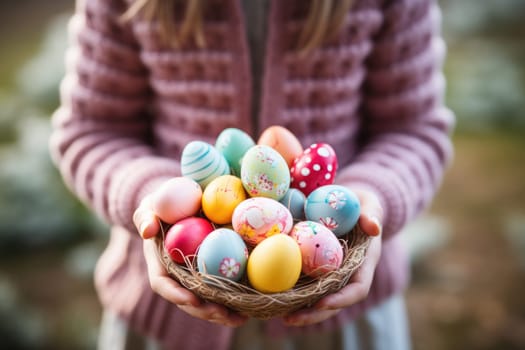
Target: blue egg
(201,162)
(334,206)
(233,144)
(294,200)
(223,253)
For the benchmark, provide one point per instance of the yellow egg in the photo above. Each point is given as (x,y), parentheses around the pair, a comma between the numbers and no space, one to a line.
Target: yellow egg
(274,265)
(220,197)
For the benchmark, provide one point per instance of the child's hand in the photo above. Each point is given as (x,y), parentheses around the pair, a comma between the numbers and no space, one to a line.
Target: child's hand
(145,219)
(358,287)
(173,292)
(148,225)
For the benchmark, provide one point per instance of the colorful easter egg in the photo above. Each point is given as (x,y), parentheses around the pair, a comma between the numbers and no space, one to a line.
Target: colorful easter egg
(320,249)
(334,206)
(201,162)
(283,141)
(258,218)
(184,237)
(233,144)
(294,201)
(223,253)
(264,173)
(176,199)
(315,167)
(274,265)
(220,198)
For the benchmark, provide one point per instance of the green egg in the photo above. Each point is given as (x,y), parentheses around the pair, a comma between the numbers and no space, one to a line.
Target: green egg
(233,144)
(264,173)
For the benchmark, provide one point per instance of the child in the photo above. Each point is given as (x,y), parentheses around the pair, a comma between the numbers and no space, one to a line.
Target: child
(146,77)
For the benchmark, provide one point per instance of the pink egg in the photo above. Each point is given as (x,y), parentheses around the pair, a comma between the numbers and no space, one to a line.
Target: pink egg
(315,167)
(176,199)
(257,218)
(183,238)
(321,251)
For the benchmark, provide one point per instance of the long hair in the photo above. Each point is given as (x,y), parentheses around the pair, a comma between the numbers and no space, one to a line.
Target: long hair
(325,18)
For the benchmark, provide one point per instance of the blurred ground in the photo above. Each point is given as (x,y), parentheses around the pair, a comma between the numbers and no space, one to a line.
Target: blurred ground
(468,250)
(468,294)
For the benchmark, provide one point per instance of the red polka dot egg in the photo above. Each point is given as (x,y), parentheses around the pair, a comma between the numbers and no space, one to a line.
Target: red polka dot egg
(315,167)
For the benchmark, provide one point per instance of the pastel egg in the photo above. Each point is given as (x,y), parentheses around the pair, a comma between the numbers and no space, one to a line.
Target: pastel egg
(264,173)
(294,201)
(258,218)
(201,162)
(274,265)
(283,141)
(177,198)
(233,144)
(220,198)
(184,237)
(223,253)
(334,206)
(315,167)
(320,249)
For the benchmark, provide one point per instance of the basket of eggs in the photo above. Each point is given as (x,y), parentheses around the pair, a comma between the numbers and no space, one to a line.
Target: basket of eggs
(260,227)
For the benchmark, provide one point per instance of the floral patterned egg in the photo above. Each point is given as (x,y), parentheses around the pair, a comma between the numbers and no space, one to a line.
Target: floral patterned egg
(334,206)
(264,173)
(315,167)
(223,253)
(257,218)
(202,162)
(320,249)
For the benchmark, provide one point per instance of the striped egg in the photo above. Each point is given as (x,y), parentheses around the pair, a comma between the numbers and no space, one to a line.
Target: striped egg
(202,162)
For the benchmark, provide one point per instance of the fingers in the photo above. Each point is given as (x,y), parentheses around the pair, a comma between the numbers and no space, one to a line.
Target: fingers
(356,291)
(169,289)
(359,286)
(370,225)
(162,283)
(145,220)
(371,217)
(308,317)
(215,313)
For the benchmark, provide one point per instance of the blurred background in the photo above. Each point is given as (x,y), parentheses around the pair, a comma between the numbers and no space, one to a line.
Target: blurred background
(467,250)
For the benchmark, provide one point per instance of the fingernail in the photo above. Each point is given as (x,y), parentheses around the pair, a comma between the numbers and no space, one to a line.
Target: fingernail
(143,227)
(217,316)
(376,221)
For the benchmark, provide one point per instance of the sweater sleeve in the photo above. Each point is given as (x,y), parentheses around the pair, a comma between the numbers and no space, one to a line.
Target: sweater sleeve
(406,144)
(100,139)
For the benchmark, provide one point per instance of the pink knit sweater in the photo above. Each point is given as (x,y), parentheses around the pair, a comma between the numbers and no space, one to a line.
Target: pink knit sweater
(130,104)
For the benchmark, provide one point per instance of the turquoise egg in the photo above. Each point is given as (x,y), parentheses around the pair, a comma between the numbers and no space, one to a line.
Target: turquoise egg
(223,253)
(233,144)
(201,162)
(265,173)
(294,200)
(334,206)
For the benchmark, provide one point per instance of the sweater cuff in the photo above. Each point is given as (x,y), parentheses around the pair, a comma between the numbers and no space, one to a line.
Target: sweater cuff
(133,182)
(389,189)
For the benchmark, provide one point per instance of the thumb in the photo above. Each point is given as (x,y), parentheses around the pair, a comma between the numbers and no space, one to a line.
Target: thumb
(146,223)
(371,217)
(145,220)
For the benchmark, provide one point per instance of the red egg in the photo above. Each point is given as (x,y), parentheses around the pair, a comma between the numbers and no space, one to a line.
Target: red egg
(183,238)
(315,167)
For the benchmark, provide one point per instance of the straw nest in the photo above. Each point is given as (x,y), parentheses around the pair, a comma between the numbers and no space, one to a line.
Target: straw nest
(239,296)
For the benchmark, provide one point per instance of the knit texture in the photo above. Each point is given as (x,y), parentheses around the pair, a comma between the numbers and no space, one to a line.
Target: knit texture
(130,103)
